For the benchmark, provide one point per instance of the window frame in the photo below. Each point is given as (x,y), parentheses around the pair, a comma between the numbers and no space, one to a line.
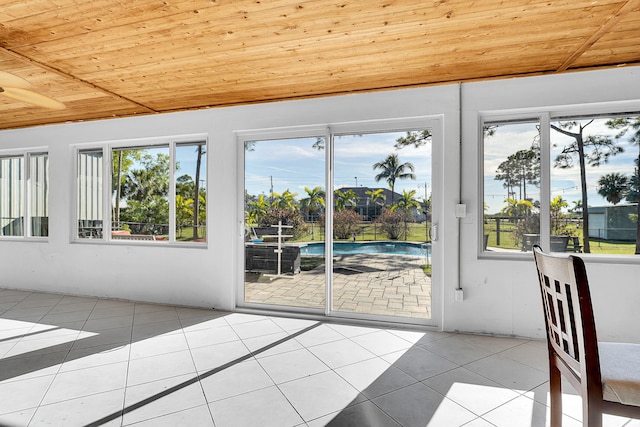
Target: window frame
(545,115)
(107,149)
(25,187)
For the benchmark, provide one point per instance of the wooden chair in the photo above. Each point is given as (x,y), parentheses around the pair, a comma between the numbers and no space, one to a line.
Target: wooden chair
(607,375)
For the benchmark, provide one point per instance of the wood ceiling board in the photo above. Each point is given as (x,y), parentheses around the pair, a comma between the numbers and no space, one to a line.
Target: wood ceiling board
(319,85)
(82,102)
(183,54)
(158,59)
(621,44)
(157,31)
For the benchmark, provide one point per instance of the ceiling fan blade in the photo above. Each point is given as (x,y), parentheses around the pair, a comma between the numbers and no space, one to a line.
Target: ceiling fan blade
(32,98)
(10,80)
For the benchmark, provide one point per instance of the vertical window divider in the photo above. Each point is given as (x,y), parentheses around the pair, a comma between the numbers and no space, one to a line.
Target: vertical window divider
(172,191)
(545,181)
(26,179)
(328,227)
(107,185)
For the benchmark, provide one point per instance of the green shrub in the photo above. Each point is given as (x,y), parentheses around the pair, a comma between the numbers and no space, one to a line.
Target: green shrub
(290,217)
(392,223)
(345,224)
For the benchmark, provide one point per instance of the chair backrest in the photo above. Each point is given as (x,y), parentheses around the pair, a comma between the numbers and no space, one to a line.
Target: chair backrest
(571,332)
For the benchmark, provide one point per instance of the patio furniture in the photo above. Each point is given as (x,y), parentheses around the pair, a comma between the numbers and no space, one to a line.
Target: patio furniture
(558,243)
(574,244)
(264,258)
(605,374)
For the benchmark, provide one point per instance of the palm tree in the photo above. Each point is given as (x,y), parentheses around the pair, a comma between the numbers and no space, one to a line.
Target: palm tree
(576,208)
(392,169)
(517,208)
(376,196)
(405,203)
(555,208)
(613,187)
(286,200)
(313,203)
(624,125)
(344,199)
(256,209)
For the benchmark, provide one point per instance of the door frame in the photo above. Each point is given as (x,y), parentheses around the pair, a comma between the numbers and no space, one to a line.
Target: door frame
(403,124)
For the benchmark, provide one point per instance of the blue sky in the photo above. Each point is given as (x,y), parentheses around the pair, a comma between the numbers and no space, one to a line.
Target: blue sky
(564,182)
(294,164)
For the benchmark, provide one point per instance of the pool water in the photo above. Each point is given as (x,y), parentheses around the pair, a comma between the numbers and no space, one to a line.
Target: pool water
(390,248)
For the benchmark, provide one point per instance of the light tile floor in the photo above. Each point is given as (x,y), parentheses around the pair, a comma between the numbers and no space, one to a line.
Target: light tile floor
(73,361)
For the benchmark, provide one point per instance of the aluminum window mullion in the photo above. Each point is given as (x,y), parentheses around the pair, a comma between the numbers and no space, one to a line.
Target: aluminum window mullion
(26,190)
(328,228)
(107,188)
(172,192)
(545,181)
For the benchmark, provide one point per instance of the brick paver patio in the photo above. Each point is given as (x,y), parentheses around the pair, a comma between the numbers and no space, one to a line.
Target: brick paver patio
(392,285)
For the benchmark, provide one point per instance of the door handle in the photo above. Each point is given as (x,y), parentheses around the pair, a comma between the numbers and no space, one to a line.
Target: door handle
(433,233)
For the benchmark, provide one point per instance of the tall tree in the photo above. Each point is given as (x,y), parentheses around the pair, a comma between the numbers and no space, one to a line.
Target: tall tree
(613,187)
(123,161)
(406,202)
(624,125)
(517,208)
(594,150)
(520,169)
(196,196)
(392,169)
(345,198)
(417,139)
(256,209)
(314,200)
(313,203)
(555,208)
(377,198)
(146,189)
(286,200)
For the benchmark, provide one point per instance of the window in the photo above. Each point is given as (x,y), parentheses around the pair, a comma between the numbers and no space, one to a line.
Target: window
(594,183)
(24,194)
(156,192)
(591,178)
(511,185)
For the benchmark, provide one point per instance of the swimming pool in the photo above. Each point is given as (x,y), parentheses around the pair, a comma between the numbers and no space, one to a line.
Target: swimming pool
(391,248)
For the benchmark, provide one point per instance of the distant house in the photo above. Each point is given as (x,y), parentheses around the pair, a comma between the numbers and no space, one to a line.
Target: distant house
(613,222)
(370,211)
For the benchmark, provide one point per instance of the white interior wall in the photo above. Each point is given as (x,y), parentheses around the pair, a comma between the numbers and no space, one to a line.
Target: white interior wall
(500,295)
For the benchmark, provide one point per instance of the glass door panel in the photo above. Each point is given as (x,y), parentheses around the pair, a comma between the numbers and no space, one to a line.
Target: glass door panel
(284,214)
(381,224)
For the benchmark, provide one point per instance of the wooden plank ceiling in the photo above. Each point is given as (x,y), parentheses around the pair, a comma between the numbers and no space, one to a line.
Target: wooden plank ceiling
(114,58)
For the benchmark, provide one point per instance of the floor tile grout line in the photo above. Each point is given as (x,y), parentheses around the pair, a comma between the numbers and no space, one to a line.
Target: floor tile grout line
(521,393)
(184,334)
(196,378)
(55,375)
(126,378)
(65,359)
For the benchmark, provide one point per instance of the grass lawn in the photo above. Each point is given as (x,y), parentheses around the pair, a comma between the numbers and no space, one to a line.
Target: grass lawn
(508,240)
(417,232)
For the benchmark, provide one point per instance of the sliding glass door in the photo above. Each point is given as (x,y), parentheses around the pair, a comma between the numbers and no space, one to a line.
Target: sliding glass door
(381,224)
(362,249)
(284,212)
